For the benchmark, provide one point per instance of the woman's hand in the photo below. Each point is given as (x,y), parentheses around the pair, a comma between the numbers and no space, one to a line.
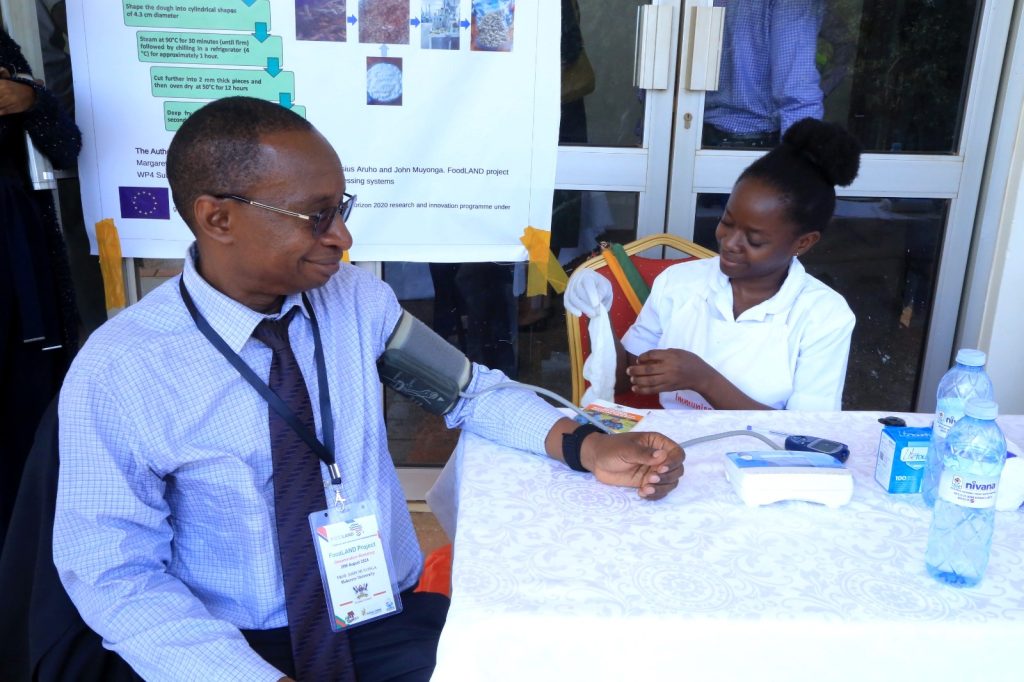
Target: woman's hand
(587,293)
(15,97)
(670,369)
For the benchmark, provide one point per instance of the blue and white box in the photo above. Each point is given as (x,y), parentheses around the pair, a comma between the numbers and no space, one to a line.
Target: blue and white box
(902,451)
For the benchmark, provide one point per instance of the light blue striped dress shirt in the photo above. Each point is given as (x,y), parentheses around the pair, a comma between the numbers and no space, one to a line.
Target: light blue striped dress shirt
(768,78)
(164,533)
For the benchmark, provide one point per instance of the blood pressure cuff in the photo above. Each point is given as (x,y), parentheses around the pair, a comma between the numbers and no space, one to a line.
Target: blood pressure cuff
(424,367)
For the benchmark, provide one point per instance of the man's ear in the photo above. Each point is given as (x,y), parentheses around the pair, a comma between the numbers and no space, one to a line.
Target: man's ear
(213,218)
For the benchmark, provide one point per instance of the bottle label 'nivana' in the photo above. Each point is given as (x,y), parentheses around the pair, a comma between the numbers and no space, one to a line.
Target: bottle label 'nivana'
(976,492)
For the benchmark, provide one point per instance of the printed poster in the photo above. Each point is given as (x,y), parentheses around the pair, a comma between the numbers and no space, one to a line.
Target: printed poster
(444,112)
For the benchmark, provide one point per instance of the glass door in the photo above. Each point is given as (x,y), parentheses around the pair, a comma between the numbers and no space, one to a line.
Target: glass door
(915,81)
(615,141)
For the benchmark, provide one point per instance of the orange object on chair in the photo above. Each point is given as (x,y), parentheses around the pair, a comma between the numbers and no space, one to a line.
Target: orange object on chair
(437,572)
(622,314)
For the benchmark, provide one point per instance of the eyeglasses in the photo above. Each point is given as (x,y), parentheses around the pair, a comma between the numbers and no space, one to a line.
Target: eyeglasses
(321,220)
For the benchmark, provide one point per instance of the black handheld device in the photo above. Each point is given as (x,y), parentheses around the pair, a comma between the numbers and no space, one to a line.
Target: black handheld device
(811,444)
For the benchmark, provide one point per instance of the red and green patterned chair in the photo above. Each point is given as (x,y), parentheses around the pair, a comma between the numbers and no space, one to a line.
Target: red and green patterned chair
(631,275)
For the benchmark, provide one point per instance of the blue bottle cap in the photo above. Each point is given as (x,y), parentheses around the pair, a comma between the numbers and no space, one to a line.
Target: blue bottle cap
(979,408)
(971,357)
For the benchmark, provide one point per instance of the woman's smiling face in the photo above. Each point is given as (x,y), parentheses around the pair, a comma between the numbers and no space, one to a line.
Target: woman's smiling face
(756,239)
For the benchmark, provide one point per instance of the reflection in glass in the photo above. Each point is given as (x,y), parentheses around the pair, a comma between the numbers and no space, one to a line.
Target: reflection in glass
(768,78)
(907,83)
(598,40)
(893,73)
(479,307)
(882,256)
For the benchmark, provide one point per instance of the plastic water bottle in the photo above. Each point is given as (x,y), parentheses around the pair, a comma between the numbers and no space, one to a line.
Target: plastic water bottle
(961,532)
(965,380)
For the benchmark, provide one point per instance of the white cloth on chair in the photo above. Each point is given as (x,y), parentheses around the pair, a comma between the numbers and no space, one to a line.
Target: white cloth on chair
(599,367)
(590,294)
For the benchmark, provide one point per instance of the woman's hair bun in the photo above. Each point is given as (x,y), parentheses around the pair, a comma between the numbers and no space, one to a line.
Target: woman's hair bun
(829,147)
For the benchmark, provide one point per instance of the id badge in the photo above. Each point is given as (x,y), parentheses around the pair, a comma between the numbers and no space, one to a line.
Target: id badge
(355,565)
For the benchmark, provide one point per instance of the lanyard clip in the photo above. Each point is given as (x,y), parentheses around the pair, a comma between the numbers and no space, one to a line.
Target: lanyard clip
(335,473)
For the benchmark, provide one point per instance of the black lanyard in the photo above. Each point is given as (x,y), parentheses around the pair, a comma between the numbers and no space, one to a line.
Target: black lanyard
(325,450)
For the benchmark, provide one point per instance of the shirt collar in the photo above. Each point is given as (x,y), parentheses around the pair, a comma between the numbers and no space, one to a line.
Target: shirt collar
(719,292)
(233,321)
(787,293)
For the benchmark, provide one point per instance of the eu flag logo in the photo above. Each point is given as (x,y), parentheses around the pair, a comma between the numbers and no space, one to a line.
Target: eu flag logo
(145,202)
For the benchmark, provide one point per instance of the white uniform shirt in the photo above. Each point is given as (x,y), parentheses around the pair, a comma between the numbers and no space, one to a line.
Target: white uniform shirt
(787,352)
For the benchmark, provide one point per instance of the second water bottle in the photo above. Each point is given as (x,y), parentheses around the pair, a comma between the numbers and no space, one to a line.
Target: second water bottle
(960,536)
(965,380)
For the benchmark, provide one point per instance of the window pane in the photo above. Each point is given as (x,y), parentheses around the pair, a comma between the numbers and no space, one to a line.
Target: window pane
(479,307)
(894,73)
(600,106)
(882,256)
(152,272)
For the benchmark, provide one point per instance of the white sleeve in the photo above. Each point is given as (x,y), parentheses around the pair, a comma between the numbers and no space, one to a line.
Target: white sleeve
(821,364)
(647,330)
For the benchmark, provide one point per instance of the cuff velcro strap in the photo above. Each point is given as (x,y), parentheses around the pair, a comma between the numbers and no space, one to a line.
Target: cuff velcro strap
(572,443)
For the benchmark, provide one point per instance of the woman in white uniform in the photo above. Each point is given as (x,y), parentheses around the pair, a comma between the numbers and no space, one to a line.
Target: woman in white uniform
(749,329)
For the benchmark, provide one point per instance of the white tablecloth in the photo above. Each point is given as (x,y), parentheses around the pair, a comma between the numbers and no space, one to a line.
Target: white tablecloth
(557,577)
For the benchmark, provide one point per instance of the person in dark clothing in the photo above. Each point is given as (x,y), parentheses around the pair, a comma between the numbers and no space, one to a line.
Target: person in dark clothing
(42,636)
(38,332)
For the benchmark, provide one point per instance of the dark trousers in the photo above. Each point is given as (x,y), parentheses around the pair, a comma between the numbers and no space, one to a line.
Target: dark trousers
(400,648)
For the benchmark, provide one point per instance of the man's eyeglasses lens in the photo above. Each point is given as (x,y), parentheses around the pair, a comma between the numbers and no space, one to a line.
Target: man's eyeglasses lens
(323,219)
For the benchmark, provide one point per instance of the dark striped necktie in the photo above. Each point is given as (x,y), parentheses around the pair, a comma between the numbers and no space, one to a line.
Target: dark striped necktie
(319,652)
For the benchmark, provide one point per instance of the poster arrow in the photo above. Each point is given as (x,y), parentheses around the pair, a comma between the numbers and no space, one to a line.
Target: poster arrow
(464,23)
(261,31)
(383,50)
(273,66)
(352,19)
(249,3)
(414,22)
(285,100)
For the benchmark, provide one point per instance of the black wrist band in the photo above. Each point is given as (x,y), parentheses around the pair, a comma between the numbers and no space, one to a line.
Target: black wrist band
(572,443)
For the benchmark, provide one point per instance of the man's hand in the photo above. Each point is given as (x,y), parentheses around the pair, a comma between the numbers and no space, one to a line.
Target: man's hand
(670,369)
(649,462)
(15,97)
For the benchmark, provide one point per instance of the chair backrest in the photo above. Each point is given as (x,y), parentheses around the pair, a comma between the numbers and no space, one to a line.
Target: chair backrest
(622,314)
